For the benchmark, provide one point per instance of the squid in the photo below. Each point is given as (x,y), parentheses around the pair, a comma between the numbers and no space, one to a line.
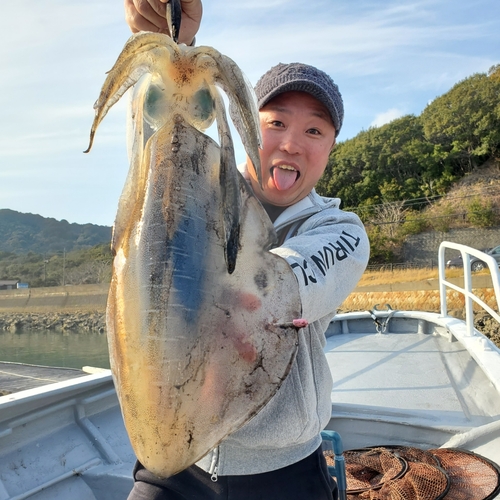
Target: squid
(200,314)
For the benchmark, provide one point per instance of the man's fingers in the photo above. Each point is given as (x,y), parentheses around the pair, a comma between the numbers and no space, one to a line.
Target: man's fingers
(150,15)
(142,15)
(158,6)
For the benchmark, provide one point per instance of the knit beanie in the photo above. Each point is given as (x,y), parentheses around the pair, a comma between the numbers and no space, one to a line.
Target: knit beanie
(304,78)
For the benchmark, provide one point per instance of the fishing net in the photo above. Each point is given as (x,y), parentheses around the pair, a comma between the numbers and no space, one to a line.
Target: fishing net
(409,473)
(370,468)
(472,477)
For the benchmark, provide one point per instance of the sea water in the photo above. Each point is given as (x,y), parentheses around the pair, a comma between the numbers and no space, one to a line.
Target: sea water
(72,349)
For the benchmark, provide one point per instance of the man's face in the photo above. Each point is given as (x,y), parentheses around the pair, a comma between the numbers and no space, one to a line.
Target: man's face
(298,136)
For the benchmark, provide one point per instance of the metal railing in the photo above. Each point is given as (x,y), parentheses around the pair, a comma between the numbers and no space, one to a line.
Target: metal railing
(396,266)
(466,290)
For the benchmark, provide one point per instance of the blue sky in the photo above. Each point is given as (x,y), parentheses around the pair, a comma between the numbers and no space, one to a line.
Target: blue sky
(389,58)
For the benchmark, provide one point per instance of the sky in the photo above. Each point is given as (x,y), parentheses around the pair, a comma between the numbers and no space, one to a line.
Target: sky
(389,58)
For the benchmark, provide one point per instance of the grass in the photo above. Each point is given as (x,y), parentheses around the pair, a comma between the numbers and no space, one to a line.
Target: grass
(405,276)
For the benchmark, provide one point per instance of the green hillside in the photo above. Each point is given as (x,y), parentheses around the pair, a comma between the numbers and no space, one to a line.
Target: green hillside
(22,233)
(78,267)
(420,157)
(43,251)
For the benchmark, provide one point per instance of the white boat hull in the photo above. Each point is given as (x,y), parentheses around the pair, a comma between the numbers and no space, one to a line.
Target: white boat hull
(400,378)
(65,441)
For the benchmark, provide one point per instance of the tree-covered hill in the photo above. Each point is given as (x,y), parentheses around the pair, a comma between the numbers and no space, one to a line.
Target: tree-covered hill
(420,156)
(77,267)
(22,233)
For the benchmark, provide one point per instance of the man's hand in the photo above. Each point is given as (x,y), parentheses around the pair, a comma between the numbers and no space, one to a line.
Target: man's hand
(150,15)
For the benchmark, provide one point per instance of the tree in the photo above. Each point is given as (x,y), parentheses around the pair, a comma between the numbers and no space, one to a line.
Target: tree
(389,216)
(417,157)
(464,124)
(388,163)
(494,72)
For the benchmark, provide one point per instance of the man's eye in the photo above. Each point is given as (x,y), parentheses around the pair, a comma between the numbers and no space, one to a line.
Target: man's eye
(277,123)
(314,131)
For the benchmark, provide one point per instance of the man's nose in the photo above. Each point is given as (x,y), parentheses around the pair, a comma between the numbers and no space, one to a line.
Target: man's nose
(292,143)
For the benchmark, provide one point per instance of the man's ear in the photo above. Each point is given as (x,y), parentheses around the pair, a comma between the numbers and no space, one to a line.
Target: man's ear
(333,145)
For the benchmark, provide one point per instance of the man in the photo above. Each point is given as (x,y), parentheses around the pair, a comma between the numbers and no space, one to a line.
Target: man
(277,454)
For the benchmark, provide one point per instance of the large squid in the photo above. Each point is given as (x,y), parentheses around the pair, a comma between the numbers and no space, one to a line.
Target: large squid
(200,313)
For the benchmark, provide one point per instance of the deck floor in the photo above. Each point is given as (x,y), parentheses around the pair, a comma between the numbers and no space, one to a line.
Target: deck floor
(15,377)
(414,374)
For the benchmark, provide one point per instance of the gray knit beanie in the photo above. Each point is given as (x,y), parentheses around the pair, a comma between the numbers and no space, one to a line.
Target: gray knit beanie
(305,78)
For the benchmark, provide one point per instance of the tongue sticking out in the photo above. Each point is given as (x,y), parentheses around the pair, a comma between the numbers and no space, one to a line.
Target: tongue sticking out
(284,179)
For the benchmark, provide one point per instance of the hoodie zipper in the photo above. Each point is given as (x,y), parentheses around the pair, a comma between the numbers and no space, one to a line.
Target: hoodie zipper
(214,466)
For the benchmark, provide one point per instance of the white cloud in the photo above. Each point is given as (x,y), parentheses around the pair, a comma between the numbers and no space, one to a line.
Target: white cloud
(386,117)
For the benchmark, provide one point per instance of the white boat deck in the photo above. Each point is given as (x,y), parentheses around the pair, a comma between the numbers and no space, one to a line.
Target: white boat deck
(65,441)
(416,384)
(411,373)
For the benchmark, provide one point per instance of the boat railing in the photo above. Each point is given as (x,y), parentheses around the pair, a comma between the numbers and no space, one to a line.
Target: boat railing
(466,290)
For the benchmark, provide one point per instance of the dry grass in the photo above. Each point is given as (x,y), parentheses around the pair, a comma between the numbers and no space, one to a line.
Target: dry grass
(419,299)
(404,276)
(479,186)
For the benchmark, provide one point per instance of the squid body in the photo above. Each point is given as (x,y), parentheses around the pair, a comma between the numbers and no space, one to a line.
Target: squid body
(199,316)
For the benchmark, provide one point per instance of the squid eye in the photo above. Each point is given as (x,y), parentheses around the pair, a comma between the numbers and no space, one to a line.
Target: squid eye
(153,97)
(155,106)
(202,108)
(204,104)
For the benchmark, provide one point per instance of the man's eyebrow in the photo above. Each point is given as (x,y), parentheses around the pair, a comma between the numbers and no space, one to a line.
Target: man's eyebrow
(276,107)
(321,114)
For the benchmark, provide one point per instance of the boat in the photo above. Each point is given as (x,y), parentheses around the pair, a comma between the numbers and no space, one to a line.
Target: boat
(401,379)
(64,440)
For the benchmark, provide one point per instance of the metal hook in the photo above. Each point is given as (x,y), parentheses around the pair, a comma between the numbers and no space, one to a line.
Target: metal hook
(378,324)
(381,326)
(387,306)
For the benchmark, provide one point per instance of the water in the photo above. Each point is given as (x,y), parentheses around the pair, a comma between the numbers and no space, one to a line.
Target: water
(49,348)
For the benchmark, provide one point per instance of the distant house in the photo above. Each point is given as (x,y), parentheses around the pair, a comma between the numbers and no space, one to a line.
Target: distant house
(8,284)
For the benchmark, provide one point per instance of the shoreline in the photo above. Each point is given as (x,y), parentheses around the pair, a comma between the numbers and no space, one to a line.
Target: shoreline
(95,321)
(55,321)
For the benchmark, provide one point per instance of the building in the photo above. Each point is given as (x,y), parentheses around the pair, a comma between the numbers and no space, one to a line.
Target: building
(8,284)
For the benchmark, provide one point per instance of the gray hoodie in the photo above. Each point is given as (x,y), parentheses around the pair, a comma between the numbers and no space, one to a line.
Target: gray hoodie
(328,250)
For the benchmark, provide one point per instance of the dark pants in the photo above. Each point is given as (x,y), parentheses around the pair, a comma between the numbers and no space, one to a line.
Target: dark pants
(304,480)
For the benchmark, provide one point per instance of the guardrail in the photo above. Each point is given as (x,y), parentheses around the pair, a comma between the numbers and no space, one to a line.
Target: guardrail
(55,299)
(396,266)
(466,290)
